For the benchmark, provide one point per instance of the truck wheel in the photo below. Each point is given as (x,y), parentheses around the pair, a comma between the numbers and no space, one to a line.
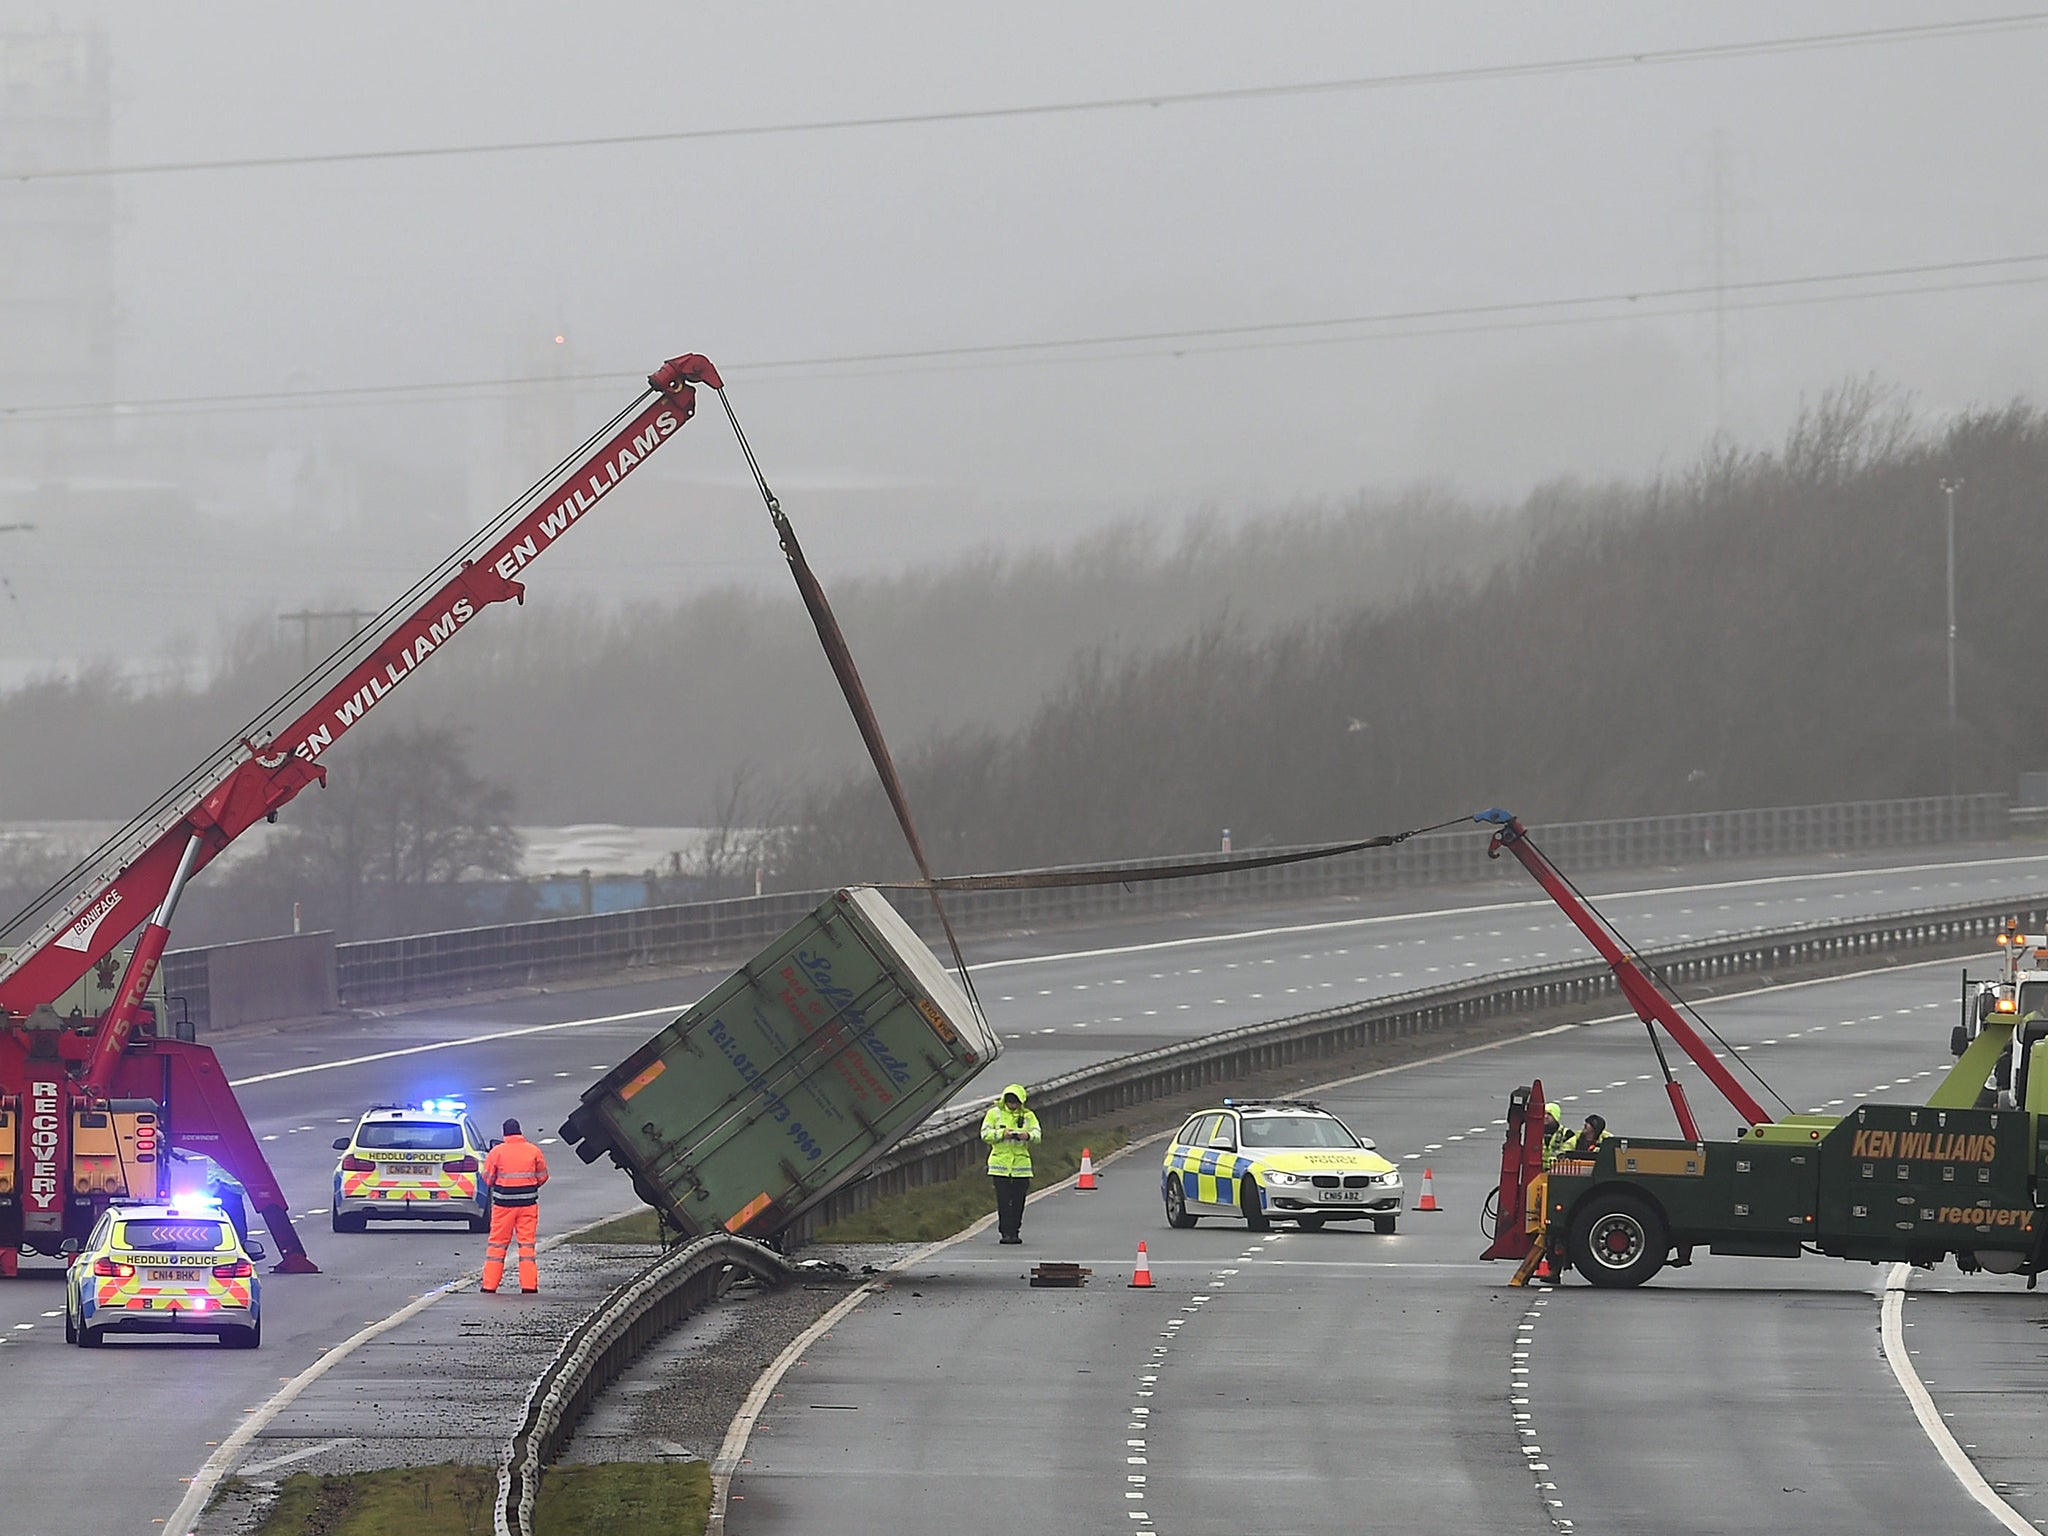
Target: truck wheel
(1177,1207)
(1255,1219)
(1617,1240)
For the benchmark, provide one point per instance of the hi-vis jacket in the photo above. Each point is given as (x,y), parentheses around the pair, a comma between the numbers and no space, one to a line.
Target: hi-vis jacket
(515,1171)
(1009,1158)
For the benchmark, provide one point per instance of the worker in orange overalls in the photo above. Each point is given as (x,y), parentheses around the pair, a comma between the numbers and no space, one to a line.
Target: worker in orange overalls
(514,1171)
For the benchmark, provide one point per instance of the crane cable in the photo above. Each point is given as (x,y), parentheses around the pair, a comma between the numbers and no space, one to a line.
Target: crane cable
(840,656)
(1657,975)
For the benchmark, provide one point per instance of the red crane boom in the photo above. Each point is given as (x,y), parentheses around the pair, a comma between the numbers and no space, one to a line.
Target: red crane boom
(273,771)
(1651,1006)
(65,1077)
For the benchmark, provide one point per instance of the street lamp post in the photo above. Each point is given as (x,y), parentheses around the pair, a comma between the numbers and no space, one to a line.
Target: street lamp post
(1948,491)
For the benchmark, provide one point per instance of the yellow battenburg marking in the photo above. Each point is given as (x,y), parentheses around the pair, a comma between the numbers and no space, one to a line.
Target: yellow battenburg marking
(643,1079)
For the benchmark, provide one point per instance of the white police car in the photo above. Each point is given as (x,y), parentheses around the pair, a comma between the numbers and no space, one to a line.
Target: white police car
(1268,1160)
(417,1162)
(164,1266)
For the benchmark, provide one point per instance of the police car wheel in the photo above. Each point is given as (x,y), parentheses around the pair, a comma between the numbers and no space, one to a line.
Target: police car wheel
(480,1223)
(1255,1218)
(1309,1223)
(70,1328)
(1618,1240)
(1383,1224)
(351,1221)
(89,1338)
(242,1338)
(1177,1214)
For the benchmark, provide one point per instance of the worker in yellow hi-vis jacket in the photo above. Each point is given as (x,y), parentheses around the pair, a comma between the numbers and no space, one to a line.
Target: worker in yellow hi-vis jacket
(1010,1128)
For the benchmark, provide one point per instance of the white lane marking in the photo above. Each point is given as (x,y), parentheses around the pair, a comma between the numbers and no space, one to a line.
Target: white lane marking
(1499,906)
(258,1468)
(449,1045)
(734,1446)
(1929,1416)
(218,1464)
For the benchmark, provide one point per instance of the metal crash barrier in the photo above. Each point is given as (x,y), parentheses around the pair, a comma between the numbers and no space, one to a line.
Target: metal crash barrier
(947,1149)
(449,963)
(598,1350)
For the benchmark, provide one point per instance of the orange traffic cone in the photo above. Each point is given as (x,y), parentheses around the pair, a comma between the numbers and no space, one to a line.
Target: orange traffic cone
(1141,1277)
(1087,1178)
(1544,1271)
(1428,1200)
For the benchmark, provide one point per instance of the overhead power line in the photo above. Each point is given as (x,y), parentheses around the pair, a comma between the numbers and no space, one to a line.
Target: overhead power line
(1386,325)
(1473,74)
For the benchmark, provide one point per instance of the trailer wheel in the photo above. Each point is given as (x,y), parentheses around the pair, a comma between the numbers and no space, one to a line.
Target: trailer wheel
(1255,1218)
(1177,1214)
(1618,1240)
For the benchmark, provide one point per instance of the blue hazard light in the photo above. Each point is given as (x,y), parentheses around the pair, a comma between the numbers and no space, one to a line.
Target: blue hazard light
(444,1106)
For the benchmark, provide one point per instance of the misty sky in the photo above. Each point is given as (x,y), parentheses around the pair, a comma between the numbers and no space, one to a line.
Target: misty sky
(1263,213)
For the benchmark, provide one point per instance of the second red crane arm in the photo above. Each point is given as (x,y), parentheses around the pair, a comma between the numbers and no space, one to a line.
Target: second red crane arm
(1651,1006)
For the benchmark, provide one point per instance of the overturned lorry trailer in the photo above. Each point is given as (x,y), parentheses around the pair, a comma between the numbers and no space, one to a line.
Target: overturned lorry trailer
(792,1076)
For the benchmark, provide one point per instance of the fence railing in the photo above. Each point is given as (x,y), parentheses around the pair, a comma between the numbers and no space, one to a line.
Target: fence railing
(447,964)
(598,1350)
(952,1148)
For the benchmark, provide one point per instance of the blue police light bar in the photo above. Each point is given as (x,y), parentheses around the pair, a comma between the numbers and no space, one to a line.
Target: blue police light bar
(444,1106)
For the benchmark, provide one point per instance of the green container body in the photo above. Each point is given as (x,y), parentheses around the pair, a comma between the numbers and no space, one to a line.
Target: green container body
(792,1076)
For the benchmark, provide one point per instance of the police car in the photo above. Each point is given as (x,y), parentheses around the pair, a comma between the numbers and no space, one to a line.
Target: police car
(164,1266)
(1270,1160)
(419,1162)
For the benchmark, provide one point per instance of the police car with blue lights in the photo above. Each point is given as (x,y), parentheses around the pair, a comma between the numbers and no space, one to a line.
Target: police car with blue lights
(412,1162)
(164,1266)
(1268,1160)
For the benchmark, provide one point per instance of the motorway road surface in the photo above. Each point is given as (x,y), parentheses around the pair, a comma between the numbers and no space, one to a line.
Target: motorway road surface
(1061,999)
(1341,1381)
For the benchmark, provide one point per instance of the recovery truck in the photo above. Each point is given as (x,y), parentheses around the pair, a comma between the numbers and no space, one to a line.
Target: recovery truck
(1886,1183)
(88,1102)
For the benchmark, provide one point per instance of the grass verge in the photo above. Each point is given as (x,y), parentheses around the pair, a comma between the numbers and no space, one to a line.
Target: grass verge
(444,1500)
(624,1498)
(921,1215)
(613,1498)
(933,1211)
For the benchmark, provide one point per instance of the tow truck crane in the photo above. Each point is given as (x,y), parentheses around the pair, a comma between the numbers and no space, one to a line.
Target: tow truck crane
(88,1103)
(1888,1183)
